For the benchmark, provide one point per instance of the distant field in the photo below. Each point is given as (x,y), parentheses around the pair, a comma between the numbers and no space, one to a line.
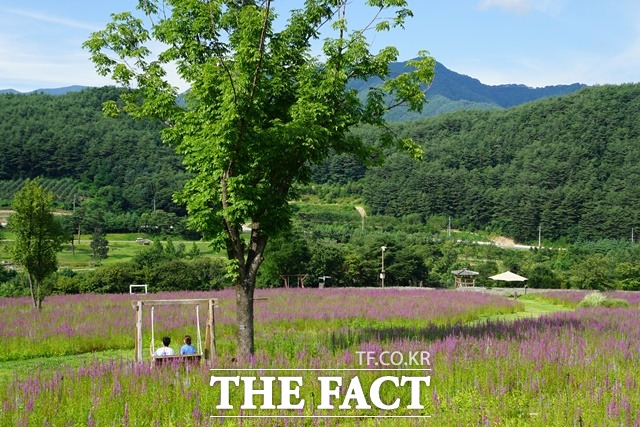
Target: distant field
(122,247)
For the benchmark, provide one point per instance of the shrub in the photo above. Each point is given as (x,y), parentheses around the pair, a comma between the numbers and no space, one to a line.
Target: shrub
(6,274)
(596,299)
(114,278)
(202,274)
(616,303)
(175,275)
(15,286)
(211,273)
(67,285)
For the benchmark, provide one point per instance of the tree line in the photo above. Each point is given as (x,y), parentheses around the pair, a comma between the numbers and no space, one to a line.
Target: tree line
(567,165)
(325,240)
(68,142)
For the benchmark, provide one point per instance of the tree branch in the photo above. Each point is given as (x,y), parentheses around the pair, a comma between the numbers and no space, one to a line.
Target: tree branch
(232,231)
(261,49)
(404,101)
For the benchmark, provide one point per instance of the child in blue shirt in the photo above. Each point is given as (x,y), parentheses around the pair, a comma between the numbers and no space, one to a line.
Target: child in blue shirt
(187,348)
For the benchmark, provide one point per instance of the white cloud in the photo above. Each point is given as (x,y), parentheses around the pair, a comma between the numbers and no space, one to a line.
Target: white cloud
(41,17)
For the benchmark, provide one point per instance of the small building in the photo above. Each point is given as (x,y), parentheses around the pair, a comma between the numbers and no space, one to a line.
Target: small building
(464,277)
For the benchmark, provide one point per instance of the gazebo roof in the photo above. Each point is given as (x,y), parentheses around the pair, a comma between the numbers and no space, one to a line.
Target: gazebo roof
(464,272)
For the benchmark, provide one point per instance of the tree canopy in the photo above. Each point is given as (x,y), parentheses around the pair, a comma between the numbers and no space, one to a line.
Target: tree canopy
(38,237)
(78,153)
(261,109)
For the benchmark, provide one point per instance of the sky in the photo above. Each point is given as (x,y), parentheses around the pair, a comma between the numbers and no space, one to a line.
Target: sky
(531,42)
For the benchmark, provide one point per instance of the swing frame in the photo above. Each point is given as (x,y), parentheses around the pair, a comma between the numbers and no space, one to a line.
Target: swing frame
(210,335)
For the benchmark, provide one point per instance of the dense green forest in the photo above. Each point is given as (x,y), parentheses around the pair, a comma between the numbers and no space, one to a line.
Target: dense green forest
(120,161)
(567,166)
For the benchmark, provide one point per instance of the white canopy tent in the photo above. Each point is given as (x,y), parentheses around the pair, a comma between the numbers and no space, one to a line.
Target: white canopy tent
(508,276)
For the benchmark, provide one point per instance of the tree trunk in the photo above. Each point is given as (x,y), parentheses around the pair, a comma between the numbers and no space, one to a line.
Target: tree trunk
(244,312)
(248,263)
(33,294)
(245,288)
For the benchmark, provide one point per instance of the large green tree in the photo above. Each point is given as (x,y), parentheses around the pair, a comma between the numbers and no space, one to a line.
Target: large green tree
(38,237)
(261,108)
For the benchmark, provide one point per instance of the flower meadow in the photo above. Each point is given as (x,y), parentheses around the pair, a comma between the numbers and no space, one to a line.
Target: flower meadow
(573,297)
(572,368)
(73,324)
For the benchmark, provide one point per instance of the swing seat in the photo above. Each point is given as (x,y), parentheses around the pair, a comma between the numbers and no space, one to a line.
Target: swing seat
(202,353)
(179,359)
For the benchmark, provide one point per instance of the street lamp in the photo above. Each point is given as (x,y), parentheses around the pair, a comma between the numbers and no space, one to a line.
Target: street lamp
(384,248)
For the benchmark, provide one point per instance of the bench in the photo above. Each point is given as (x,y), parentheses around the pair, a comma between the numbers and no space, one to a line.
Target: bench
(178,359)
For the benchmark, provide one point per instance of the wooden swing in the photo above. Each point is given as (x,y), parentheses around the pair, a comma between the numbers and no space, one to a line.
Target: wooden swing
(209,341)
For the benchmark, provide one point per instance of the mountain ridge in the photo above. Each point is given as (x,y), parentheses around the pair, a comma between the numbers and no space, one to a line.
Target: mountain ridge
(450,91)
(49,91)
(462,92)
(494,93)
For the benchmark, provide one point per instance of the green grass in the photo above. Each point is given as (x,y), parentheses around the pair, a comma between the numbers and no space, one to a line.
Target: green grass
(122,247)
(23,368)
(534,306)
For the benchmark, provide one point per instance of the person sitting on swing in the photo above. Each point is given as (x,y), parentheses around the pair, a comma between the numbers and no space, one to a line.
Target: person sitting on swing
(187,348)
(165,350)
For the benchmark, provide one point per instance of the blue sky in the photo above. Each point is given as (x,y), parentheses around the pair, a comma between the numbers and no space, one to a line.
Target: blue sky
(532,42)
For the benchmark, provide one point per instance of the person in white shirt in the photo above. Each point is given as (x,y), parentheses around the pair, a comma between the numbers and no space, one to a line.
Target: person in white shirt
(165,350)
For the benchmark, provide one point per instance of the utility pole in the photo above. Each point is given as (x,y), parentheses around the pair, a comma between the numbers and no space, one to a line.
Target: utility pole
(539,236)
(383,248)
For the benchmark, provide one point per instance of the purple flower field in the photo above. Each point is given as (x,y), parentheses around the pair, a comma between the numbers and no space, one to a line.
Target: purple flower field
(571,368)
(575,368)
(573,297)
(71,324)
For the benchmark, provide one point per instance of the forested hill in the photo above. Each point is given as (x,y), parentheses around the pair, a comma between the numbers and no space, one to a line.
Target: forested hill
(570,165)
(451,91)
(67,138)
(457,87)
